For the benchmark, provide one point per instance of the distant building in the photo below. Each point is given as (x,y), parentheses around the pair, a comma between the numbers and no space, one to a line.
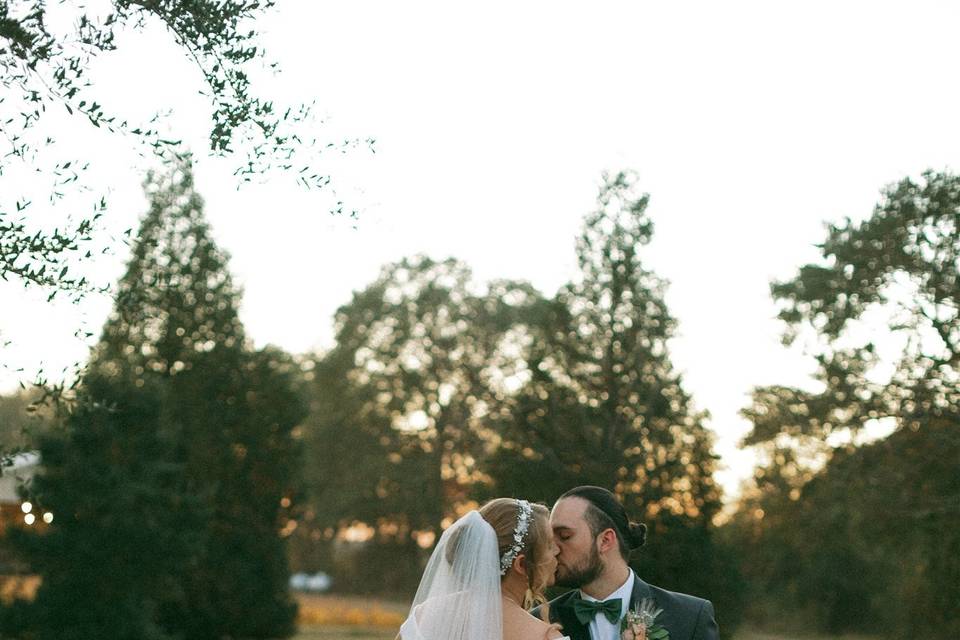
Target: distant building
(16,472)
(15,579)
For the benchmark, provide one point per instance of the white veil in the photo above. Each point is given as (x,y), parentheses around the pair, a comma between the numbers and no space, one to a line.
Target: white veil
(459,594)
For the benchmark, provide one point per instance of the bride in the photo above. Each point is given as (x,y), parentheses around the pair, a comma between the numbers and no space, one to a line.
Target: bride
(488,569)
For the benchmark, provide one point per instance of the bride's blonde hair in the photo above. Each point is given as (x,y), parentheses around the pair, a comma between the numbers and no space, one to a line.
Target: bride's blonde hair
(502,513)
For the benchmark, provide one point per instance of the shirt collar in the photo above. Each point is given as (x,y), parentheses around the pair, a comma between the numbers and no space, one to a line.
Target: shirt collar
(624,592)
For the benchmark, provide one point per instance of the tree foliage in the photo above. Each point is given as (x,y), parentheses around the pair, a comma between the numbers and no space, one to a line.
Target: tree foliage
(898,269)
(125,524)
(46,54)
(603,404)
(901,265)
(400,404)
(439,394)
(187,414)
(22,421)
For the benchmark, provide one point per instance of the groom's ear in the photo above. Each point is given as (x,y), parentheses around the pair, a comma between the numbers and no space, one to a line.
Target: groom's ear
(607,540)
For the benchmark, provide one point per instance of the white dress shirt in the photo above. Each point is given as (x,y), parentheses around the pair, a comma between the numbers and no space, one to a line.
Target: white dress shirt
(600,627)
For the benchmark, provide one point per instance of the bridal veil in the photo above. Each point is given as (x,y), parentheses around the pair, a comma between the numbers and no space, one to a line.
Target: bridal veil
(459,593)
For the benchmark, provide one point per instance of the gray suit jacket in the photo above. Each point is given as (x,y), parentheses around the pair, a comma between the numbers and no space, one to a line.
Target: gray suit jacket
(684,617)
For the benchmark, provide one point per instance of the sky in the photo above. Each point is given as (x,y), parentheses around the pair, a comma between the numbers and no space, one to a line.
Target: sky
(750,124)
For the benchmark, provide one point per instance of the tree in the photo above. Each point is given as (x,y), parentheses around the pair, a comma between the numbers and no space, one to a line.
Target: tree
(603,404)
(900,265)
(225,416)
(401,404)
(897,270)
(21,421)
(236,413)
(46,67)
(124,525)
(176,300)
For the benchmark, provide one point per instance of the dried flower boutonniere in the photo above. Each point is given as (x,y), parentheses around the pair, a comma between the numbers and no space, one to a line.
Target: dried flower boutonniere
(641,624)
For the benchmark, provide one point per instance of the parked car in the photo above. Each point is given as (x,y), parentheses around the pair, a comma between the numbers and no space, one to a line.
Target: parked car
(316,583)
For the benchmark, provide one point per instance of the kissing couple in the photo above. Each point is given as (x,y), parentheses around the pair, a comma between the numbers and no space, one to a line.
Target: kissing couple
(486,578)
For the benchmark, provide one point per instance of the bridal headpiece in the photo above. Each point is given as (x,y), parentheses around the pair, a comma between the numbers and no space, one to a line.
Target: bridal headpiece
(519,533)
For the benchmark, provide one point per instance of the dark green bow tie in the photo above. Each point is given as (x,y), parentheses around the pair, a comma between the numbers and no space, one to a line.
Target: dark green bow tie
(585,610)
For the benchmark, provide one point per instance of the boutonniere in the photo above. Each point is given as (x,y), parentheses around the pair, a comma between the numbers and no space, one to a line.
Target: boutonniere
(641,623)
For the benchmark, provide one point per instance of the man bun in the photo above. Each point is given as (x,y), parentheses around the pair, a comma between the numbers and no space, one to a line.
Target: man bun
(637,535)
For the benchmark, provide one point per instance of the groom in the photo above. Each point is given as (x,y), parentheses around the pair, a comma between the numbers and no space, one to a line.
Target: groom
(595,539)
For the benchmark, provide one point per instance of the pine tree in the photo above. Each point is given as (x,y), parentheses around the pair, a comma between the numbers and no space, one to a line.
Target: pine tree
(176,301)
(604,404)
(219,420)
(124,525)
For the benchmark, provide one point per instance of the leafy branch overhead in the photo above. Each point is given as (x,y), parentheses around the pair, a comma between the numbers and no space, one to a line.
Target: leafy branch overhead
(46,53)
(45,266)
(46,70)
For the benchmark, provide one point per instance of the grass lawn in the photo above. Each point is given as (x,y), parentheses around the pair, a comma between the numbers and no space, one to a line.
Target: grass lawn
(366,633)
(326,617)
(753,634)
(344,633)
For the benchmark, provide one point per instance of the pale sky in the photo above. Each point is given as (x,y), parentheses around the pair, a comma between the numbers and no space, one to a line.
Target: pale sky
(750,124)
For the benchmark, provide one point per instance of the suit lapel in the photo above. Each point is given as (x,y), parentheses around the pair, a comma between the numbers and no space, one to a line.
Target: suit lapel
(667,619)
(641,590)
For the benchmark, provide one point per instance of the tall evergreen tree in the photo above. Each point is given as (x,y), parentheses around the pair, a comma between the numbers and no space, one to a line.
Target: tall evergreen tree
(176,301)
(223,413)
(236,412)
(124,524)
(604,404)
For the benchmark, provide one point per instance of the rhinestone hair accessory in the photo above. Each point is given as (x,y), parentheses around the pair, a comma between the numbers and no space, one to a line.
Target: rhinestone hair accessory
(519,533)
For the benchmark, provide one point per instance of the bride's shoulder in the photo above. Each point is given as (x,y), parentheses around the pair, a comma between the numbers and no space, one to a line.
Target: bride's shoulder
(548,631)
(532,628)
(553,632)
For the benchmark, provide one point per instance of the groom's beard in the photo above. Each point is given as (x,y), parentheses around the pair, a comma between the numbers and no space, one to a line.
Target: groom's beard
(581,573)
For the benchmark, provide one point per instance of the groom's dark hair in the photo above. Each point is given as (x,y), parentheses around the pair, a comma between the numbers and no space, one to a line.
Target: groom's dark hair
(604,512)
